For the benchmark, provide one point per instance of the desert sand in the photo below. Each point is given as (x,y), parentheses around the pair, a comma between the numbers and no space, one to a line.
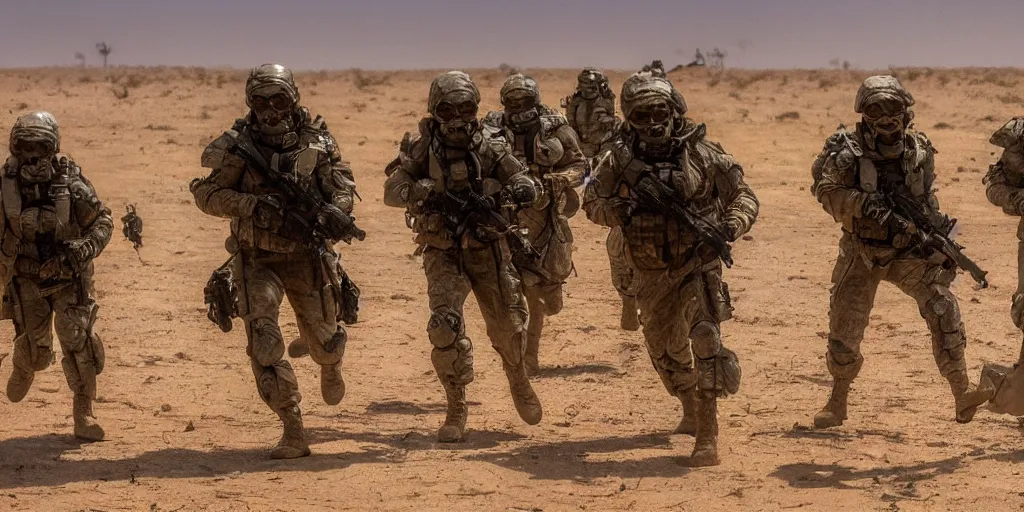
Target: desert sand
(187,431)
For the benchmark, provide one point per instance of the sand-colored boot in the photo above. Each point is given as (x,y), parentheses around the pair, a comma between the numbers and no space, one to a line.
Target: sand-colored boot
(293,441)
(834,412)
(526,401)
(332,384)
(532,357)
(86,427)
(454,427)
(629,319)
(967,397)
(688,423)
(298,348)
(705,448)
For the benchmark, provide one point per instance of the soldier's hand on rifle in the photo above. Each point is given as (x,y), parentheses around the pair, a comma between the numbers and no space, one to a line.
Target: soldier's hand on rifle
(268,213)
(731,229)
(622,209)
(335,223)
(79,252)
(520,193)
(876,209)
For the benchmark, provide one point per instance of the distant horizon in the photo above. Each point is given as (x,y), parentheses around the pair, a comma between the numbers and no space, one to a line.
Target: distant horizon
(532,34)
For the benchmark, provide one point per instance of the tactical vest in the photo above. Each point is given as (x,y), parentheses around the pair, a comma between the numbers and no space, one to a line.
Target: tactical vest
(905,174)
(655,240)
(39,218)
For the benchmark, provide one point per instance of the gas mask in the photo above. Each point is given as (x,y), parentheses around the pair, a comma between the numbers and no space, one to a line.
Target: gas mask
(589,91)
(35,161)
(456,117)
(271,94)
(520,109)
(886,122)
(654,122)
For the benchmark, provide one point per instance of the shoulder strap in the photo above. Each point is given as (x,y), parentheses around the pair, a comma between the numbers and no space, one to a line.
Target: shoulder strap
(11,203)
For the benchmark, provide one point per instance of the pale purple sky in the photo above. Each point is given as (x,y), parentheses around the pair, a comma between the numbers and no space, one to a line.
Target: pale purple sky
(392,34)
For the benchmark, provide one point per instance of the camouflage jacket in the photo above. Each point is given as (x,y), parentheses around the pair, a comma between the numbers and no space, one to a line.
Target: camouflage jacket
(427,177)
(1004,183)
(706,178)
(34,230)
(552,154)
(847,172)
(593,120)
(234,186)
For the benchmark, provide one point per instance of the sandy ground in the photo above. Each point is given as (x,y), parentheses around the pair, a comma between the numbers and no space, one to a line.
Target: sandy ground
(187,431)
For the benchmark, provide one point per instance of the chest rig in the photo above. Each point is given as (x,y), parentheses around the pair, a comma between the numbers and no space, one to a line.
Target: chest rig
(904,175)
(458,178)
(655,238)
(39,215)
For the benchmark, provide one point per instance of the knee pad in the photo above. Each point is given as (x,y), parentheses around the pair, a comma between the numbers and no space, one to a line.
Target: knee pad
(454,364)
(445,327)
(706,339)
(1017,310)
(278,386)
(944,311)
(266,341)
(720,374)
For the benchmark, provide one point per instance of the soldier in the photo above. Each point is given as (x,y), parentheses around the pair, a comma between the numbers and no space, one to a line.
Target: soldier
(543,141)
(279,176)
(857,177)
(54,227)
(1005,189)
(591,112)
(454,182)
(679,199)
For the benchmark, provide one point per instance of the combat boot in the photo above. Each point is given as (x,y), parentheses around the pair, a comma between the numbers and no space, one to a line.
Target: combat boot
(86,427)
(834,412)
(705,448)
(688,424)
(455,419)
(629,320)
(19,383)
(332,384)
(526,401)
(532,357)
(293,441)
(298,348)
(967,398)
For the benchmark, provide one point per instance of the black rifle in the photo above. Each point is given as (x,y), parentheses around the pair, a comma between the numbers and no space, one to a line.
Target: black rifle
(909,212)
(657,195)
(479,204)
(296,195)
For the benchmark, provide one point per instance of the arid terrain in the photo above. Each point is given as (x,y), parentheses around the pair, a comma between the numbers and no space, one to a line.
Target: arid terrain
(187,431)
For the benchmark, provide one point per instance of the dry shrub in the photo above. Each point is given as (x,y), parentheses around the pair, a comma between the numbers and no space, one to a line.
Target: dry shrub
(120,91)
(363,80)
(827,82)
(160,127)
(22,106)
(1000,78)
(1010,98)
(942,125)
(788,116)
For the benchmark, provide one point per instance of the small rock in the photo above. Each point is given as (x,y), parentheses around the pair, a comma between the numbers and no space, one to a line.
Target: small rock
(748,238)
(190,427)
(165,408)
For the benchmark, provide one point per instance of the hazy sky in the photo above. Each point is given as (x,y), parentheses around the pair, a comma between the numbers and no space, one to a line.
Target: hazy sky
(316,34)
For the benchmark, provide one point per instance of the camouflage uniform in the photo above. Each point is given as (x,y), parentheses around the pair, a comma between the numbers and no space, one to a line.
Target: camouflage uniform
(274,255)
(446,163)
(680,291)
(883,155)
(591,113)
(542,140)
(1004,186)
(54,226)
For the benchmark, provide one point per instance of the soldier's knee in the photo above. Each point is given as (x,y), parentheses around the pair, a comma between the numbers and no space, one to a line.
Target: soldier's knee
(706,340)
(267,342)
(844,359)
(445,327)
(942,309)
(454,363)
(1017,310)
(277,385)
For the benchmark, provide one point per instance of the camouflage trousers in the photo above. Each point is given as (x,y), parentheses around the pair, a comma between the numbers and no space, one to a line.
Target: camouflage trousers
(1017,306)
(854,283)
(40,312)
(681,316)
(623,277)
(269,278)
(488,273)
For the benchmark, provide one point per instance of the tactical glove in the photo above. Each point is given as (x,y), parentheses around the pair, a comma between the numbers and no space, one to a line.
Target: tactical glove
(334,223)
(268,213)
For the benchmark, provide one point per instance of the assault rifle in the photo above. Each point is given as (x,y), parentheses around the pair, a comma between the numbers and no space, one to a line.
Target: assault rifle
(659,196)
(303,199)
(482,205)
(931,236)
